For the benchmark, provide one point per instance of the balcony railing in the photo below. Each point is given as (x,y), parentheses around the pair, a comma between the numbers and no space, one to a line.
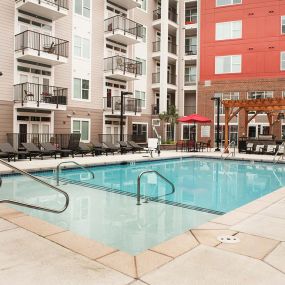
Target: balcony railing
(129,104)
(191,50)
(172,16)
(41,43)
(172,48)
(56,3)
(190,80)
(126,65)
(155,109)
(124,24)
(171,78)
(32,92)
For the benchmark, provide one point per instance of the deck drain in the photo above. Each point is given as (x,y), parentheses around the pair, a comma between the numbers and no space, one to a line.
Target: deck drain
(228,239)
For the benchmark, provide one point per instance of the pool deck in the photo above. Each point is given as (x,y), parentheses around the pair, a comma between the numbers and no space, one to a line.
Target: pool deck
(35,252)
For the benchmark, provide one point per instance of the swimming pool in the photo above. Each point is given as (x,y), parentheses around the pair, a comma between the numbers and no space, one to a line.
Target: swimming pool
(105,208)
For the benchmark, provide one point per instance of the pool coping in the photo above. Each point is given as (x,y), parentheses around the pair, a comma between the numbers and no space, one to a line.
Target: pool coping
(153,258)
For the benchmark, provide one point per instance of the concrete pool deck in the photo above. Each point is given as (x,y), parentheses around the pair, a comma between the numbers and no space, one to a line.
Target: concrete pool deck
(33,251)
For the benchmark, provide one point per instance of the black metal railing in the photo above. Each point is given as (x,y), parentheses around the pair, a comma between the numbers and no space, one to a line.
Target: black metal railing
(155,109)
(61,141)
(172,48)
(115,138)
(172,16)
(171,78)
(124,24)
(55,3)
(189,110)
(39,93)
(126,65)
(129,104)
(41,43)
(191,50)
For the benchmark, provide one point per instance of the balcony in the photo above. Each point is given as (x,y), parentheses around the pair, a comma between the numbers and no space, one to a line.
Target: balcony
(51,9)
(122,68)
(155,109)
(190,54)
(128,4)
(131,106)
(172,51)
(172,17)
(33,46)
(32,95)
(171,81)
(123,30)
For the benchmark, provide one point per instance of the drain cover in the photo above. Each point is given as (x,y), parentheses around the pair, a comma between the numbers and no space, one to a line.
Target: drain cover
(228,239)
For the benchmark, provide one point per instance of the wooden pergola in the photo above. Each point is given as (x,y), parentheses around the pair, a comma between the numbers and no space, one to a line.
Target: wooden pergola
(271,106)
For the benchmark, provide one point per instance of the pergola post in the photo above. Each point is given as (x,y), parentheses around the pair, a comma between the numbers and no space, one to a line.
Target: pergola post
(227,115)
(246,123)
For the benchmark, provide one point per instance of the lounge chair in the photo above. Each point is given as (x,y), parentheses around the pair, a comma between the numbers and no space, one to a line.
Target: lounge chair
(125,147)
(34,151)
(281,149)
(152,145)
(6,155)
(135,146)
(7,148)
(52,148)
(99,148)
(84,149)
(249,148)
(259,149)
(73,143)
(111,147)
(271,149)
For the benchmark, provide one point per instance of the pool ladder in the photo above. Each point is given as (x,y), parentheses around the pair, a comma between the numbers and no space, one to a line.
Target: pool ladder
(233,153)
(67,162)
(158,174)
(31,206)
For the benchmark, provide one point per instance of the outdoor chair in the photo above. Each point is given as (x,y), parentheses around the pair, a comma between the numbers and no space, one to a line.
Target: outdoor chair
(34,151)
(73,144)
(249,148)
(84,149)
(52,148)
(205,145)
(6,155)
(271,149)
(191,145)
(125,147)
(259,149)
(7,148)
(99,149)
(152,145)
(136,147)
(111,147)
(49,48)
(281,150)
(180,145)
(28,96)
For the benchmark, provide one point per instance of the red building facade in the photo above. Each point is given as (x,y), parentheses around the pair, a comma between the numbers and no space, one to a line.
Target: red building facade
(242,55)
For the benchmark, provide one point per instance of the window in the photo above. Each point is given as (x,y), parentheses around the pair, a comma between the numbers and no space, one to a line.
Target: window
(81,47)
(282,24)
(228,64)
(282,61)
(82,7)
(188,132)
(81,126)
(191,16)
(143,63)
(139,132)
(142,4)
(80,89)
(260,94)
(170,129)
(229,30)
(141,95)
(144,34)
(190,75)
(225,96)
(227,2)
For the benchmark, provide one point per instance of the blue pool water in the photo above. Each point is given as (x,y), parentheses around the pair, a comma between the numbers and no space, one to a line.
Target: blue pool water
(212,184)
(104,209)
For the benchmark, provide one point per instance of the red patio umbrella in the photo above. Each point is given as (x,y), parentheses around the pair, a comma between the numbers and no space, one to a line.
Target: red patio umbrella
(194,118)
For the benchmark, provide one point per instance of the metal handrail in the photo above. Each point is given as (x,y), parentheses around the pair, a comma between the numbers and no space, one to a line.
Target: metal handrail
(277,152)
(158,174)
(31,206)
(233,153)
(79,165)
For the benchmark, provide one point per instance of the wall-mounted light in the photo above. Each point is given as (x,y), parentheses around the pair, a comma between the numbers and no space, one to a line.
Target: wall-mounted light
(69,116)
(1,73)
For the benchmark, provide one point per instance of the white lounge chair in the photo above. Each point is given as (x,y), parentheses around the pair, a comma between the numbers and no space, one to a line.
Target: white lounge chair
(152,145)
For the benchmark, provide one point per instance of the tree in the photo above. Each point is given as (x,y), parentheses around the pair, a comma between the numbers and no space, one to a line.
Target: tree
(170,117)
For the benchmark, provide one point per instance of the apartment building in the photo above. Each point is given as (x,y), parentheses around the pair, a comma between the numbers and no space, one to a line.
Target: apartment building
(65,64)
(242,52)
